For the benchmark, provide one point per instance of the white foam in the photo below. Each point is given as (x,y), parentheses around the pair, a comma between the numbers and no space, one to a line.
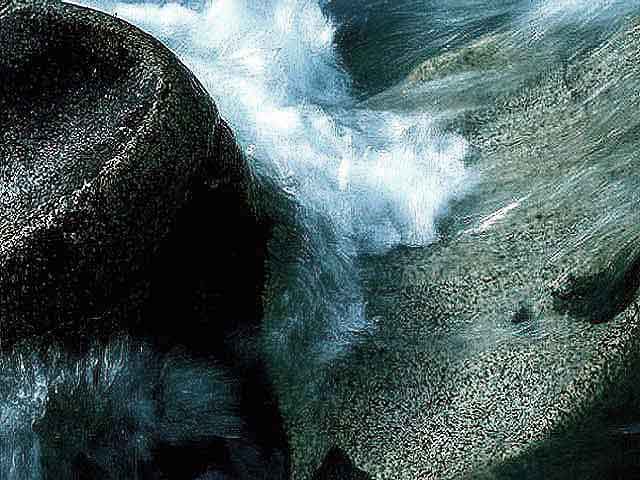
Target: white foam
(377,179)
(273,71)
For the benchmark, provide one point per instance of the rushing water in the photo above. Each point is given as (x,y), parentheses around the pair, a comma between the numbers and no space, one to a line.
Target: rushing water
(302,83)
(363,181)
(272,67)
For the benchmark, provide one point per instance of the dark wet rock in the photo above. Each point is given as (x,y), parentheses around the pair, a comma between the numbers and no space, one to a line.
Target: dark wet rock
(380,42)
(108,142)
(126,206)
(337,466)
(600,296)
(523,314)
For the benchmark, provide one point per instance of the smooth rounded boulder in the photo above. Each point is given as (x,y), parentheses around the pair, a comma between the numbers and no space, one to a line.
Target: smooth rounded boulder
(106,138)
(509,348)
(125,213)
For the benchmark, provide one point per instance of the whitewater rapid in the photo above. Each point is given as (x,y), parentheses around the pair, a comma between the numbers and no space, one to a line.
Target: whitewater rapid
(274,73)
(353,180)
(364,181)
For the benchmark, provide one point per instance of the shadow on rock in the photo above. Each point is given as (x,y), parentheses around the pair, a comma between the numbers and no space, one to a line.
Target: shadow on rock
(126,208)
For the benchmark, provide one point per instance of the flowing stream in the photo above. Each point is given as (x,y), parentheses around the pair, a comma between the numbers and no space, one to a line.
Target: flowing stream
(364,181)
(315,92)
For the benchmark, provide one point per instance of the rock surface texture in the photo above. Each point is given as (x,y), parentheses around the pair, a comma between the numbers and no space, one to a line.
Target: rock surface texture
(106,138)
(130,258)
(509,349)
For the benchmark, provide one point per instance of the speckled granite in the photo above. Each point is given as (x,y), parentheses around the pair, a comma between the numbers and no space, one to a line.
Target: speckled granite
(507,350)
(128,238)
(510,348)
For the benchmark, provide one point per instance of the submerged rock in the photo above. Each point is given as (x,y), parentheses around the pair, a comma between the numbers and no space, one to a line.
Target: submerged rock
(483,365)
(337,466)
